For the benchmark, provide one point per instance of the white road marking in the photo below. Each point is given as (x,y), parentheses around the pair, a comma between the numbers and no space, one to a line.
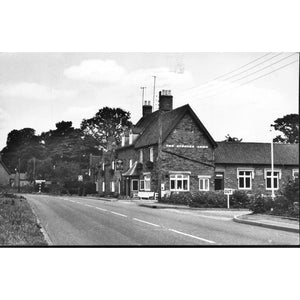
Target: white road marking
(142,221)
(115,213)
(103,209)
(192,236)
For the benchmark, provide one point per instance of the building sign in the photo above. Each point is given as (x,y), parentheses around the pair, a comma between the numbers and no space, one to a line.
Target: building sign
(186,146)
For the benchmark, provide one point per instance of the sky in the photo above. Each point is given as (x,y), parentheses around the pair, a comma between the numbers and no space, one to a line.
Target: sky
(239,94)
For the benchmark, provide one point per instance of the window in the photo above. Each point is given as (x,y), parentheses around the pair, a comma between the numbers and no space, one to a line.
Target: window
(134,185)
(151,154)
(113,186)
(142,185)
(204,183)
(103,186)
(141,155)
(145,184)
(147,180)
(113,165)
(219,181)
(130,163)
(295,173)
(245,179)
(179,182)
(276,177)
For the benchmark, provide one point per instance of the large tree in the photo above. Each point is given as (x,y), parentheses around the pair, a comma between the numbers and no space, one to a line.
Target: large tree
(289,126)
(108,122)
(22,144)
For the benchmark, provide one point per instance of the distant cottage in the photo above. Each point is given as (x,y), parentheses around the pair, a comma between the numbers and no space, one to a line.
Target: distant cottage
(172,149)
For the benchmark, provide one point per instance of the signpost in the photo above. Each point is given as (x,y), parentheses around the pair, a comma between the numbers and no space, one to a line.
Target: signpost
(228,192)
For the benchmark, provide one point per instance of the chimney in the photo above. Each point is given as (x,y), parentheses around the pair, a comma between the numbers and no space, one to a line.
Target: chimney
(165,100)
(147,108)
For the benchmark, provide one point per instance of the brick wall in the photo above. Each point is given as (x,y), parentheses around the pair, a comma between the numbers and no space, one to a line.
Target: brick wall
(258,182)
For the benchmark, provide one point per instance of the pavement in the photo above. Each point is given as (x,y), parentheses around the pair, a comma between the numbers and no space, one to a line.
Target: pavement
(93,221)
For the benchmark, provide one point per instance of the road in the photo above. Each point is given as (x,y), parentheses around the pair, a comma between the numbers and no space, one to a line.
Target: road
(85,221)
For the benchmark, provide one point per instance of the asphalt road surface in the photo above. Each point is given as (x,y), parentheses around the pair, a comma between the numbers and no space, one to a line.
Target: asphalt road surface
(85,221)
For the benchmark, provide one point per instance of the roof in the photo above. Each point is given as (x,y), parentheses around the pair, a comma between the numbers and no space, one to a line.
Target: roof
(148,125)
(131,171)
(256,153)
(5,167)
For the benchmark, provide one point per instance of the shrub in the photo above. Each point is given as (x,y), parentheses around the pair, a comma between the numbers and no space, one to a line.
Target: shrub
(208,199)
(184,198)
(240,199)
(261,204)
(291,191)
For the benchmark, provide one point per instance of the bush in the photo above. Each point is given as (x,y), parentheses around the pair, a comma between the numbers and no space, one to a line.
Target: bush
(240,199)
(183,198)
(209,199)
(261,204)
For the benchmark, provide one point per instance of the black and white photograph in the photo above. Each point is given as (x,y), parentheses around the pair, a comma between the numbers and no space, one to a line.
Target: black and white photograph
(149,149)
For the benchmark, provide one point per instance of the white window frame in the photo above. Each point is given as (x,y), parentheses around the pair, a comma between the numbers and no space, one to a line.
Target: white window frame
(295,171)
(179,177)
(141,156)
(278,177)
(206,182)
(251,176)
(132,180)
(142,185)
(147,182)
(151,154)
(112,186)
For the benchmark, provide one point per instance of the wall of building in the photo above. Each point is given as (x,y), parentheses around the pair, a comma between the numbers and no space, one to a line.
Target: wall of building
(197,159)
(258,182)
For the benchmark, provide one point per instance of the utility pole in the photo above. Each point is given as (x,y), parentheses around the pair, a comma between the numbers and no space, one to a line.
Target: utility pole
(272,167)
(154,77)
(19,179)
(143,94)
(159,154)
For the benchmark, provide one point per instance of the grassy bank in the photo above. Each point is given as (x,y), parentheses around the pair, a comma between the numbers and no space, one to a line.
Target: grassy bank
(18,224)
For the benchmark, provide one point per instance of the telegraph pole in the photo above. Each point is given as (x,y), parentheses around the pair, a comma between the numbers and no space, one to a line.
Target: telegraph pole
(154,77)
(159,154)
(143,94)
(19,179)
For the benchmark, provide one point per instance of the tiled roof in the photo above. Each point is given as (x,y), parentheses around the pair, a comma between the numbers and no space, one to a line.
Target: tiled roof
(256,153)
(149,125)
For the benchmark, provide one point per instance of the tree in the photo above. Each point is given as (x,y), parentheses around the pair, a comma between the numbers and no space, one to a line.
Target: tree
(108,122)
(23,144)
(230,139)
(289,126)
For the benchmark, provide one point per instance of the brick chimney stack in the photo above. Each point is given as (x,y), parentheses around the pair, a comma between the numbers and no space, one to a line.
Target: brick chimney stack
(165,100)
(147,108)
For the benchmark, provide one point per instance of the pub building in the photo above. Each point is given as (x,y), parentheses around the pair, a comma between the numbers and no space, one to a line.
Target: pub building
(171,148)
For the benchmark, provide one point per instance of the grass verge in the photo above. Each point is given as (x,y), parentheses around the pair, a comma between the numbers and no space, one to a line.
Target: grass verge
(18,224)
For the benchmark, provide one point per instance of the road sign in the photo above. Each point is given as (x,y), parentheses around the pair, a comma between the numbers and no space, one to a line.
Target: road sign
(228,191)
(39,181)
